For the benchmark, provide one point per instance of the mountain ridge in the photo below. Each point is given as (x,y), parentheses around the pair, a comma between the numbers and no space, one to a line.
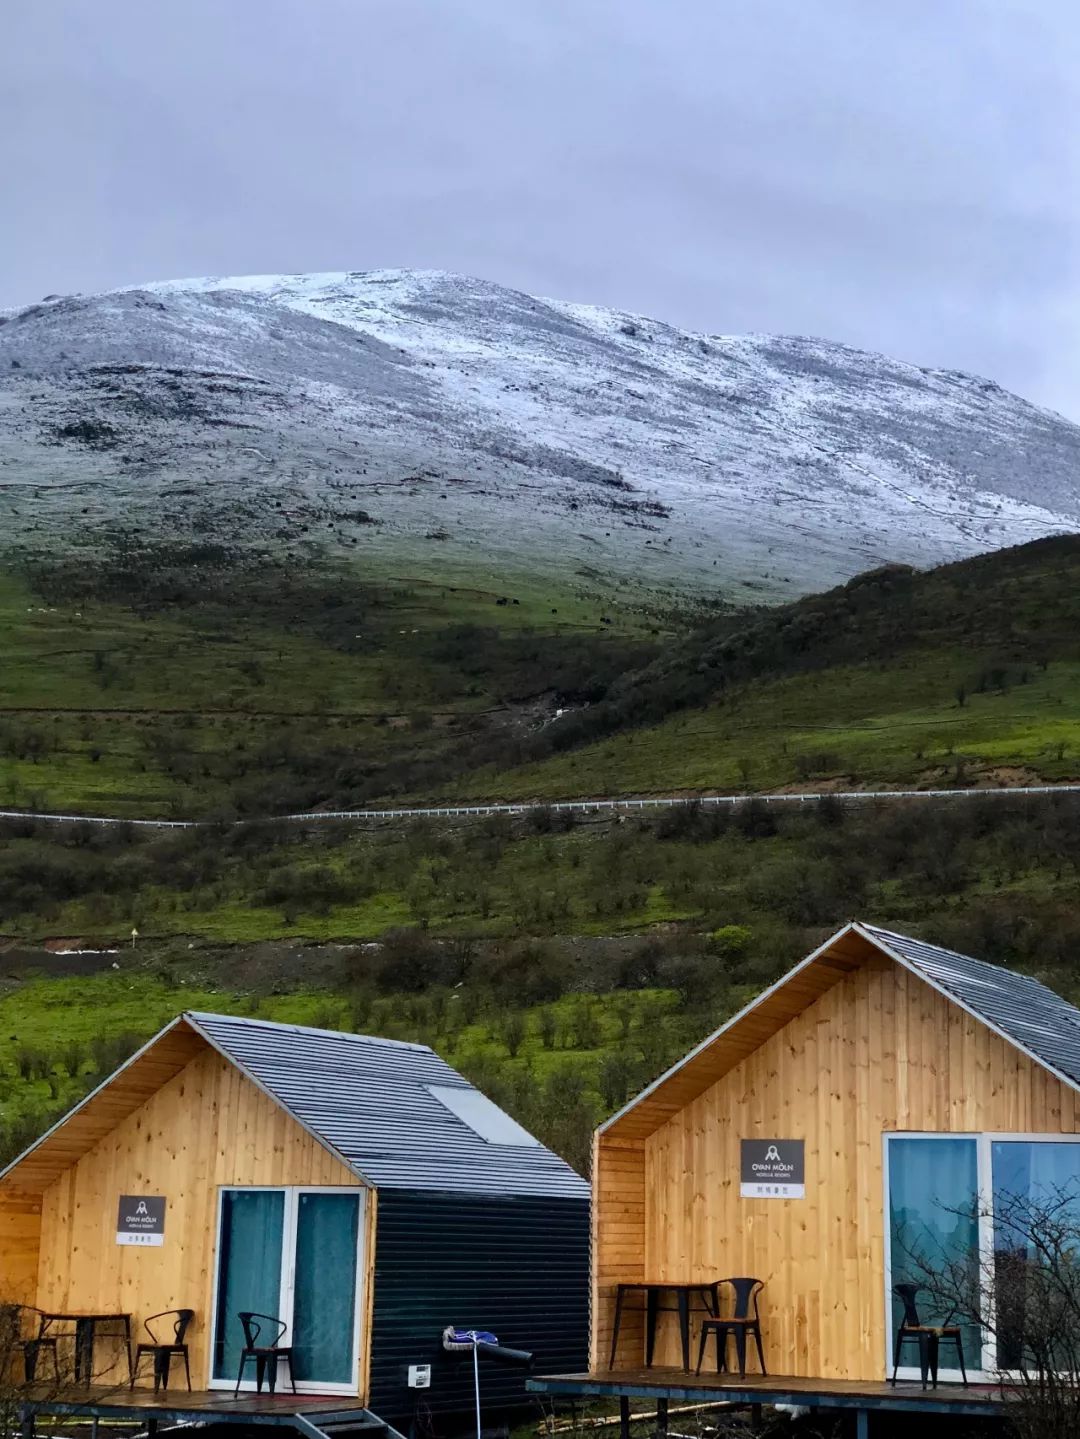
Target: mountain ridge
(435,422)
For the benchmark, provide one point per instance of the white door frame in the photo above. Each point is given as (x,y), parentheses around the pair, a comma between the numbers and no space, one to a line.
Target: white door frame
(988,1372)
(287,1292)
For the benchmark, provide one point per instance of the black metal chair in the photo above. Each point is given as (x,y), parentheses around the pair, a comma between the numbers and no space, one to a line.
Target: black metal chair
(927,1336)
(14,1319)
(744,1320)
(164,1349)
(266,1356)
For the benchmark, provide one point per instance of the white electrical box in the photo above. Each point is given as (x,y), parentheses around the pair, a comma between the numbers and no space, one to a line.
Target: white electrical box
(419,1376)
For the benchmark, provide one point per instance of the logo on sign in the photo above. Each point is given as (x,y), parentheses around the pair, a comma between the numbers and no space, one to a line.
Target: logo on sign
(772,1169)
(141,1220)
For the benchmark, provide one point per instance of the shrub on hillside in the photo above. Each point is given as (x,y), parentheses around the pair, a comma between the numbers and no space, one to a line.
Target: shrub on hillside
(405,961)
(531,971)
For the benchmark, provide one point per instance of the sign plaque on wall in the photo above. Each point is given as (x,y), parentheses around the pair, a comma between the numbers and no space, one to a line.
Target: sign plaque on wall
(141,1219)
(772,1169)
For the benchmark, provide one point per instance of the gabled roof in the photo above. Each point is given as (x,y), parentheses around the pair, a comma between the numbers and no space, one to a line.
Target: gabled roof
(1032,1017)
(371,1102)
(1029,1016)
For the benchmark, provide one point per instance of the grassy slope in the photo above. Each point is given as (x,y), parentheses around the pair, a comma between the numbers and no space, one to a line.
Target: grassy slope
(336,885)
(860,726)
(251,688)
(152,686)
(493,881)
(896,679)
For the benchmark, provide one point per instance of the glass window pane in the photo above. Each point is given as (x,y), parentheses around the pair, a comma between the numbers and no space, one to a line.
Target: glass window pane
(249,1269)
(324,1308)
(934,1235)
(1036,1223)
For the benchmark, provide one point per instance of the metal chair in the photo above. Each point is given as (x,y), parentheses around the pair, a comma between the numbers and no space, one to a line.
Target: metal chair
(743,1320)
(266,1356)
(13,1318)
(164,1349)
(927,1336)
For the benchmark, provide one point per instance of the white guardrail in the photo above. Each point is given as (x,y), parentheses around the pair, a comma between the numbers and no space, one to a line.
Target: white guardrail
(586,806)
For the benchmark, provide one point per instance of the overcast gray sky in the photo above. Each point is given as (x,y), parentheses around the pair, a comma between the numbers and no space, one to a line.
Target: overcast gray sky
(897,174)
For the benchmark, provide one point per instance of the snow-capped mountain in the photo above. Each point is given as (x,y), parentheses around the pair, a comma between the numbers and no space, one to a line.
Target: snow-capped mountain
(452,425)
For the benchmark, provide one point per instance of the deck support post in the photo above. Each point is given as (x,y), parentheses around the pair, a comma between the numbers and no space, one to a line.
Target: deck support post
(26,1425)
(151,1427)
(661,1417)
(624,1417)
(862,1424)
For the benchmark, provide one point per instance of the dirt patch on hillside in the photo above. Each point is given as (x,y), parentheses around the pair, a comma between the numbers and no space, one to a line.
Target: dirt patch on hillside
(57,958)
(1001,776)
(834,784)
(972,776)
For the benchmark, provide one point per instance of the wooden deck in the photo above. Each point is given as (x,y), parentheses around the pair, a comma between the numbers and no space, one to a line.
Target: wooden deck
(218,1406)
(664,1384)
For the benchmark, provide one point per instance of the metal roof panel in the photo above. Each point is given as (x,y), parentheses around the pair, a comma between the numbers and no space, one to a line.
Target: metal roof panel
(1021,1008)
(369,1101)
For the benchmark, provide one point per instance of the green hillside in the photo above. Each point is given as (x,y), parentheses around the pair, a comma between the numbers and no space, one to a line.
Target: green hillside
(561,965)
(898,679)
(190,682)
(179,681)
(561,962)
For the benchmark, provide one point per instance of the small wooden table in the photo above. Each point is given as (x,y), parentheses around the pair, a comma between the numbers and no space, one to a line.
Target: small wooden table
(653,1292)
(86,1329)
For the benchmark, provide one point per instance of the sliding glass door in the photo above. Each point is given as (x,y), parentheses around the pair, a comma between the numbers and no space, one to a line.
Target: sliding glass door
(963,1217)
(292,1253)
(250,1234)
(1036,1195)
(933,1229)
(324,1287)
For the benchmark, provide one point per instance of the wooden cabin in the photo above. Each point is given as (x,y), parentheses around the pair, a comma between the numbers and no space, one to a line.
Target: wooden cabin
(862,1106)
(358,1188)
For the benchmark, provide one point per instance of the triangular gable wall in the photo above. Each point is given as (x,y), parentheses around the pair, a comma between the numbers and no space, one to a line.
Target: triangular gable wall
(100,1112)
(847,950)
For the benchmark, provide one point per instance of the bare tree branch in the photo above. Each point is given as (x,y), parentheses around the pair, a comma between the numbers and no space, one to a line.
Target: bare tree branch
(1024,1296)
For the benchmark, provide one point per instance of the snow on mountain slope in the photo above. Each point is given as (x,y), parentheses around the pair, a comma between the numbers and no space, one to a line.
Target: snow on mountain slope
(450,425)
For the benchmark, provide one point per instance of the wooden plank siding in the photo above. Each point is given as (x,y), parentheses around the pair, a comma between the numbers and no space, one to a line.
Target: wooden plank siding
(20,1240)
(875,1050)
(98,1115)
(842,954)
(618,1244)
(207,1126)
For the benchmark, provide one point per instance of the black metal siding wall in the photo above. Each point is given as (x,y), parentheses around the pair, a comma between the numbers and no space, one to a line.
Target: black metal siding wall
(516,1265)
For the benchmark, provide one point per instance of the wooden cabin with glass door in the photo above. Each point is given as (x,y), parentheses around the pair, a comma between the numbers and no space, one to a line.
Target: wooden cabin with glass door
(879,1102)
(358,1189)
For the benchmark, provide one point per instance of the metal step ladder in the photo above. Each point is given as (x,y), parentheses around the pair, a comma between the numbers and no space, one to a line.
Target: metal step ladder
(349,1424)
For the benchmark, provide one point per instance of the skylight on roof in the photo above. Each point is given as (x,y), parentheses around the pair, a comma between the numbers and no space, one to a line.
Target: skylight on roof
(483,1118)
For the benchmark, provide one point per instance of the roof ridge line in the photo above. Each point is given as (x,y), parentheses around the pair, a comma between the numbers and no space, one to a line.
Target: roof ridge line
(280,1024)
(972,959)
